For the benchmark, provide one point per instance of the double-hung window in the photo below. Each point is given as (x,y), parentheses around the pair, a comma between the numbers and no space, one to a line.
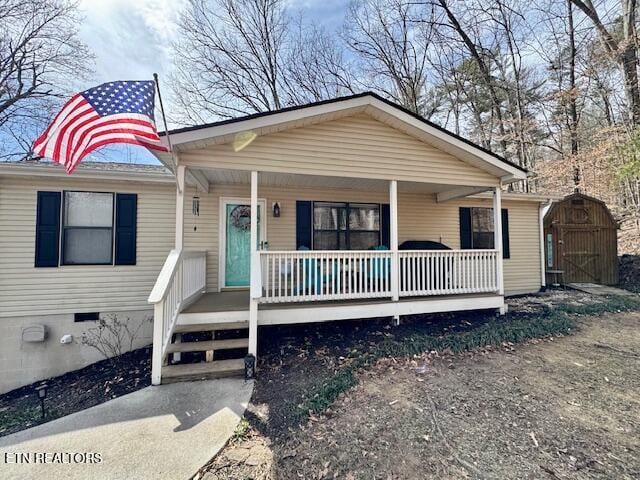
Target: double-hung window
(476,229)
(346,226)
(87,228)
(482,228)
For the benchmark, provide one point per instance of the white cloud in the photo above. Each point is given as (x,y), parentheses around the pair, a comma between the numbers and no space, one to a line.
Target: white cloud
(131,39)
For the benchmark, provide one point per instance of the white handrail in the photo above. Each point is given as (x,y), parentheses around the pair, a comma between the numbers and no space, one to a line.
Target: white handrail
(445,272)
(310,275)
(317,275)
(181,280)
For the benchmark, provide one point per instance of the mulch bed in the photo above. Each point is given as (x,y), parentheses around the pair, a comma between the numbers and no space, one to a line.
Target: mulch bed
(75,391)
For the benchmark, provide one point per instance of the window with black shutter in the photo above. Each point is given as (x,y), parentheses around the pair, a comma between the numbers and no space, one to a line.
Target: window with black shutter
(341,225)
(476,229)
(85,228)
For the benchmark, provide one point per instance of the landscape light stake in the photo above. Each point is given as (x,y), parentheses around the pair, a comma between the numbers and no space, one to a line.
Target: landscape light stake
(42,394)
(249,367)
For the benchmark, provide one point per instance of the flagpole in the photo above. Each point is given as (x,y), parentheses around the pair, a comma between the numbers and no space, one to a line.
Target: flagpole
(166,129)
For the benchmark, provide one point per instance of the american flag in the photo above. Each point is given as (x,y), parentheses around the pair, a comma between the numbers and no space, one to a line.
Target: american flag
(114,112)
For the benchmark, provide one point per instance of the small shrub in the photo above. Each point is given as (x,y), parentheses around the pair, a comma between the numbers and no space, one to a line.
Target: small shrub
(242,431)
(112,337)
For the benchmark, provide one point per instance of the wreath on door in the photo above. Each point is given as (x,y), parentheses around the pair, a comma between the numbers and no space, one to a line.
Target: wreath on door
(241,217)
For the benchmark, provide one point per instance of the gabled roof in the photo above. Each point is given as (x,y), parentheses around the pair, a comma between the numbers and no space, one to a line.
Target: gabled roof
(268,122)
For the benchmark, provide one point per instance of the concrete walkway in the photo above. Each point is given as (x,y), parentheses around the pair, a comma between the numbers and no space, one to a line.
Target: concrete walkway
(164,432)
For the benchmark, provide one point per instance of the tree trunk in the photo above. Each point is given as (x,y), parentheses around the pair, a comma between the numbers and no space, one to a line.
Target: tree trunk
(624,54)
(628,59)
(573,109)
(484,71)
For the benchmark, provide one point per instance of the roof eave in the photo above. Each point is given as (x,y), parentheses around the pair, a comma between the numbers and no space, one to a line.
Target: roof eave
(57,171)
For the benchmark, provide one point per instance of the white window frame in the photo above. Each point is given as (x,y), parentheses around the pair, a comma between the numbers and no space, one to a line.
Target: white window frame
(61,254)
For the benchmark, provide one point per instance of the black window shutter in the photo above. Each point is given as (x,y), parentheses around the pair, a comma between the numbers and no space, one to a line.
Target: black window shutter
(385,225)
(465,228)
(48,229)
(506,253)
(126,221)
(303,224)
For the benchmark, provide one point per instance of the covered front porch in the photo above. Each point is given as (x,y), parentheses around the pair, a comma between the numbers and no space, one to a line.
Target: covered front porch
(299,283)
(358,153)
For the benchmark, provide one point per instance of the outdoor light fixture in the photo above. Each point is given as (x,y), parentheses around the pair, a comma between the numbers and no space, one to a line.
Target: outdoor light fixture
(249,367)
(42,394)
(276,209)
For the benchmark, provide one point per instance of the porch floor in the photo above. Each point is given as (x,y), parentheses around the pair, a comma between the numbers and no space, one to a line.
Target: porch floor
(238,300)
(229,301)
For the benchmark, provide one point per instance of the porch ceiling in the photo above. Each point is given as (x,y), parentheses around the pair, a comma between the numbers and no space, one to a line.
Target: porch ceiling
(267,179)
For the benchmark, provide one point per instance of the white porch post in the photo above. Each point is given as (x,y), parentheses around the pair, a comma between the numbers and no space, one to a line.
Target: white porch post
(393,217)
(156,352)
(543,274)
(180,173)
(256,277)
(180,176)
(497,236)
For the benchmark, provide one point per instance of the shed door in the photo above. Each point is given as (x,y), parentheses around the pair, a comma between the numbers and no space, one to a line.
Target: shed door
(579,255)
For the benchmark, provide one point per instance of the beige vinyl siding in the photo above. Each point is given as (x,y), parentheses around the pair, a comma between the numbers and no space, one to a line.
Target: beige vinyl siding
(281,232)
(424,219)
(420,217)
(357,146)
(26,290)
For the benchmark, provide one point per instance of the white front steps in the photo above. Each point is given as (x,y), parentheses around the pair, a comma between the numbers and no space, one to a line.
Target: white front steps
(202,371)
(196,356)
(208,345)
(210,327)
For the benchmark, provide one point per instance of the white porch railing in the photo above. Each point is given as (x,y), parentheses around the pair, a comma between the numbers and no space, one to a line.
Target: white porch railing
(181,280)
(301,276)
(447,272)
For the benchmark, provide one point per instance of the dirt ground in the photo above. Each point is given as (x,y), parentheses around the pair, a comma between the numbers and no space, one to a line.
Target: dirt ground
(561,408)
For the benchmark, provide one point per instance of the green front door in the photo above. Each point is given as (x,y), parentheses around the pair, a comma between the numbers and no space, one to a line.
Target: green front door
(237,240)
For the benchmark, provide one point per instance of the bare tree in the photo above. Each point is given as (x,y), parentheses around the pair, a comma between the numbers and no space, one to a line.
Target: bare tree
(40,56)
(477,53)
(623,51)
(393,50)
(237,57)
(229,58)
(316,67)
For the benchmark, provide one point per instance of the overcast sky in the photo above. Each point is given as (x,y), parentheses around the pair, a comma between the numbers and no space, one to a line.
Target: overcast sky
(131,40)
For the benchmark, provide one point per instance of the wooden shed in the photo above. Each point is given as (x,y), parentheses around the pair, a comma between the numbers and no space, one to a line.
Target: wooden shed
(581,242)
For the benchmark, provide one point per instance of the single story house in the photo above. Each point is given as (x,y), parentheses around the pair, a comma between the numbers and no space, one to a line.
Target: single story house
(364,210)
